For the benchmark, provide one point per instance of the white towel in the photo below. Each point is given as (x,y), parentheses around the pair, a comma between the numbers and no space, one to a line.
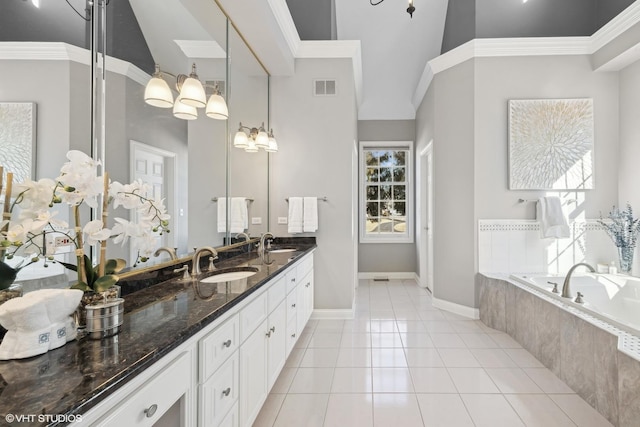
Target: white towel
(239,215)
(552,220)
(295,215)
(222,214)
(310,215)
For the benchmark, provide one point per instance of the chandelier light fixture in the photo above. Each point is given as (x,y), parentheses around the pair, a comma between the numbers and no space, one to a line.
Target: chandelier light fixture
(410,9)
(191,96)
(256,138)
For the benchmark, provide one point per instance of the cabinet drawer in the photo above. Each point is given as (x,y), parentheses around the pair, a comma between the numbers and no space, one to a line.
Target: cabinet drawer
(252,315)
(291,278)
(292,305)
(147,404)
(220,392)
(217,346)
(276,293)
(292,334)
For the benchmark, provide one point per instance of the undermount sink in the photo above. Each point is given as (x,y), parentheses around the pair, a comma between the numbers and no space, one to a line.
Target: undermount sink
(281,251)
(230,274)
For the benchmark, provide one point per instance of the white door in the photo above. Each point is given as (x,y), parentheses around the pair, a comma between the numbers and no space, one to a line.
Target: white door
(425,191)
(153,166)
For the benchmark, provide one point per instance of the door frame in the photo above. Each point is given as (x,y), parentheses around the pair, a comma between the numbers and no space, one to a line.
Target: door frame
(424,193)
(170,177)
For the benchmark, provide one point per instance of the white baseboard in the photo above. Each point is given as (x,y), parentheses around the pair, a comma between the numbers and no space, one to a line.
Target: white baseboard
(462,310)
(320,313)
(398,275)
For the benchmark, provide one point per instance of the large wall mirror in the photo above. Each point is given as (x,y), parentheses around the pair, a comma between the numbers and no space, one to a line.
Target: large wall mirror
(45,58)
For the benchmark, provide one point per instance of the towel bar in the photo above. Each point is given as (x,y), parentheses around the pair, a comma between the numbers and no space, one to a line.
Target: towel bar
(536,200)
(324,199)
(215,199)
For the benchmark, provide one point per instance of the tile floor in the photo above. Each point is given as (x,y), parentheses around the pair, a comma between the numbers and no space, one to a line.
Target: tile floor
(401,362)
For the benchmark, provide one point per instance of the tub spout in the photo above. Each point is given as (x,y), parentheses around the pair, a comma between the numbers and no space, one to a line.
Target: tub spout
(566,290)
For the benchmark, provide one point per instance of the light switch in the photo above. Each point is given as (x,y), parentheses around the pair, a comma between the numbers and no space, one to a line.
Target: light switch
(256,220)
(282,220)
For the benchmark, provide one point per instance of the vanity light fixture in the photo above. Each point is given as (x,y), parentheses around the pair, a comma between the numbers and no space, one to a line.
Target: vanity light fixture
(191,95)
(256,139)
(410,9)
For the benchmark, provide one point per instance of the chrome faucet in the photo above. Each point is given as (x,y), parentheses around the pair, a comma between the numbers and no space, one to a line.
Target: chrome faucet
(263,238)
(245,235)
(566,291)
(170,251)
(195,266)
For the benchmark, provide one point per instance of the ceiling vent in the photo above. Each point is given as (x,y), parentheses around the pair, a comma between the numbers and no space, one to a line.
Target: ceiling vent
(322,87)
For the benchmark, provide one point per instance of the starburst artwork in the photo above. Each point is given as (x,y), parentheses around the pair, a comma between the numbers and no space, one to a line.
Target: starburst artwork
(551,144)
(17,137)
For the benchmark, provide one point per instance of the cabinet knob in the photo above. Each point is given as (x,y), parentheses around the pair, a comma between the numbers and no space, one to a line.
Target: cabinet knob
(151,410)
(293,335)
(268,334)
(293,279)
(273,329)
(226,391)
(293,306)
(307,285)
(227,343)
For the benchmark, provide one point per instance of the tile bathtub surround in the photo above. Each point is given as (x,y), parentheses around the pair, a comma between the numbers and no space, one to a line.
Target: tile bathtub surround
(574,347)
(401,362)
(506,246)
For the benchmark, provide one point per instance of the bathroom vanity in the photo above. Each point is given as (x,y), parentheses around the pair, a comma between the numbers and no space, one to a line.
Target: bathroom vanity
(190,353)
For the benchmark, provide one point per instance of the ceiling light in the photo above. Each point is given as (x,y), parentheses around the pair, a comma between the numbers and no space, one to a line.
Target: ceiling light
(191,95)
(36,3)
(410,9)
(255,139)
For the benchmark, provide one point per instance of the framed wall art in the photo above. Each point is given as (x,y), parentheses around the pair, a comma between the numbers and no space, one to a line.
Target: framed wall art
(18,139)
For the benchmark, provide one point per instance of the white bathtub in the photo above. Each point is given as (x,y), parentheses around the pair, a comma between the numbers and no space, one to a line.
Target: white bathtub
(613,298)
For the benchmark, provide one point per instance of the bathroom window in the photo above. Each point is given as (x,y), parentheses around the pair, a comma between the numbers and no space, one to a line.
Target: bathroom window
(385,192)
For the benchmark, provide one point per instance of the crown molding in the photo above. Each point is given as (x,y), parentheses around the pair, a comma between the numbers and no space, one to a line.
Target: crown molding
(423,85)
(614,28)
(44,51)
(127,69)
(285,22)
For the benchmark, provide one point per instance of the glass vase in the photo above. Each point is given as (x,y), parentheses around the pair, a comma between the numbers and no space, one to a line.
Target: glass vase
(625,257)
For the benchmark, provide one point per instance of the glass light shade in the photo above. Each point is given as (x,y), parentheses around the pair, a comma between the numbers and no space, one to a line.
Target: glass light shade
(217,108)
(192,93)
(251,148)
(184,111)
(240,140)
(273,145)
(262,140)
(158,94)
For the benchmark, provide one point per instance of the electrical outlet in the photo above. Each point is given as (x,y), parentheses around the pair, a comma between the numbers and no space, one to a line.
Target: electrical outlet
(61,241)
(282,220)
(256,220)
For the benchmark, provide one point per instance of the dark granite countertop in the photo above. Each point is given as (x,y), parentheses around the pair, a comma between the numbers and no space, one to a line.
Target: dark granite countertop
(74,378)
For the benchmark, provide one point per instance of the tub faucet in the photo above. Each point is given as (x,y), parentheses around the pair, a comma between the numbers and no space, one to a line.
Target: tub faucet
(566,291)
(195,267)
(170,251)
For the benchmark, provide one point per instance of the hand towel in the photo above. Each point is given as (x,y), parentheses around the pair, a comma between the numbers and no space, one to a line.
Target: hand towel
(239,215)
(552,220)
(295,215)
(60,303)
(222,214)
(31,329)
(310,214)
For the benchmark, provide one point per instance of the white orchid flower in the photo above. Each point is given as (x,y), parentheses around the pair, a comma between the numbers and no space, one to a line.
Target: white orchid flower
(95,233)
(36,195)
(123,230)
(17,233)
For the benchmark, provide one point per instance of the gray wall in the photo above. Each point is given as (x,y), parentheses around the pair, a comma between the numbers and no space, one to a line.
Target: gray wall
(469,19)
(314,19)
(387,257)
(316,137)
(470,128)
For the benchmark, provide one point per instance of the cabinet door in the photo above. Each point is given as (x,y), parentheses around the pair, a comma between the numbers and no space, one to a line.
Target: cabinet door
(277,343)
(219,393)
(307,284)
(253,374)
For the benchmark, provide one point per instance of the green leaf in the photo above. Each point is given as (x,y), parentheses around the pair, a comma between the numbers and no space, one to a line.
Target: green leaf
(114,265)
(92,275)
(105,282)
(72,267)
(82,286)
